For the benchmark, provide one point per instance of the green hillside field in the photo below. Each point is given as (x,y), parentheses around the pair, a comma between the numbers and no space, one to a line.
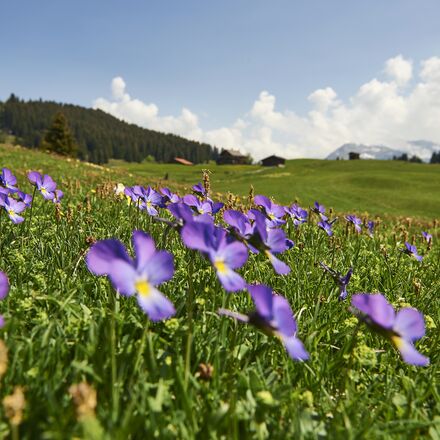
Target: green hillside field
(378,187)
(87,362)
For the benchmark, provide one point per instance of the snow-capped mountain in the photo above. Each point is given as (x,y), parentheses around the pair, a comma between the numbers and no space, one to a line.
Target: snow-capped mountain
(366,152)
(420,148)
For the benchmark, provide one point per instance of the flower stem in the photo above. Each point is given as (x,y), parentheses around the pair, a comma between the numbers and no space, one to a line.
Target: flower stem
(190,308)
(114,384)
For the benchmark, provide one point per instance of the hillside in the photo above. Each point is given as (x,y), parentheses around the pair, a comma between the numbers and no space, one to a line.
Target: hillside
(99,135)
(378,187)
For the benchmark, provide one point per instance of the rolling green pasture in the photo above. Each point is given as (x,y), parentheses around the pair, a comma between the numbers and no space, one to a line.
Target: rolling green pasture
(200,375)
(377,187)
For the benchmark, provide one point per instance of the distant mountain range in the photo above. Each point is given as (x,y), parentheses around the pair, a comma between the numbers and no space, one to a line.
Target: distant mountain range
(420,148)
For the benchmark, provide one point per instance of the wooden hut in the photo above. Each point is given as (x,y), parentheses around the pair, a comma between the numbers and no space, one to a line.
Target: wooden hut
(232,157)
(353,156)
(182,161)
(273,161)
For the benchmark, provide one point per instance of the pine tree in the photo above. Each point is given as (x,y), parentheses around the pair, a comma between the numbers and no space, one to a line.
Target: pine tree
(59,137)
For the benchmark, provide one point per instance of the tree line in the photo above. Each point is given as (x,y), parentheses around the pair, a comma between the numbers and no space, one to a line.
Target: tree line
(97,136)
(435,158)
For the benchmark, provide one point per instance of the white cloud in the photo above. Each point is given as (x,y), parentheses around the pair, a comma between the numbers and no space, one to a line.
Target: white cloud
(392,111)
(399,69)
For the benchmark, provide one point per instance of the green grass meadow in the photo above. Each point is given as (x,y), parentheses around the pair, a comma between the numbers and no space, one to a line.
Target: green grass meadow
(377,187)
(204,376)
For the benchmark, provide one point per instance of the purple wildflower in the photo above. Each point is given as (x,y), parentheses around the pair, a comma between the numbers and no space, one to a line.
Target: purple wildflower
(199,206)
(326,226)
(200,190)
(169,196)
(215,206)
(341,281)
(427,236)
(25,198)
(224,254)
(4,285)
(401,328)
(239,223)
(297,214)
(13,208)
(371,226)
(269,241)
(8,180)
(273,316)
(139,276)
(45,184)
(4,289)
(150,200)
(274,212)
(58,196)
(320,210)
(357,222)
(411,250)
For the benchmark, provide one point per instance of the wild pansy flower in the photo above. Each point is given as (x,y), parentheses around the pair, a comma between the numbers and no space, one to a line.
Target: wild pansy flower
(150,201)
(326,226)
(224,253)
(274,212)
(200,190)
(12,208)
(133,195)
(239,223)
(370,226)
(169,196)
(411,250)
(25,198)
(45,184)
(273,316)
(199,206)
(139,276)
(340,280)
(298,215)
(269,241)
(427,236)
(4,289)
(58,196)
(8,180)
(401,328)
(355,221)
(320,210)
(215,206)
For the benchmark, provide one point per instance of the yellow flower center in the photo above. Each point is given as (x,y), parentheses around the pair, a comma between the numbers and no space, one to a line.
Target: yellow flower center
(143,287)
(43,190)
(11,212)
(149,204)
(271,216)
(220,266)
(397,341)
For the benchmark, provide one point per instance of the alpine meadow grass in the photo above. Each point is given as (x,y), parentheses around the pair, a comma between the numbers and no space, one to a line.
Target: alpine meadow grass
(105,338)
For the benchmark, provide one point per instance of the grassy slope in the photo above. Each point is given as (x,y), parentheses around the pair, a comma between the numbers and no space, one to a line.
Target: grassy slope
(61,321)
(376,187)
(379,187)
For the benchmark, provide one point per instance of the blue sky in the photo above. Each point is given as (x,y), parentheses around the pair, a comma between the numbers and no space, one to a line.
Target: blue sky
(213,58)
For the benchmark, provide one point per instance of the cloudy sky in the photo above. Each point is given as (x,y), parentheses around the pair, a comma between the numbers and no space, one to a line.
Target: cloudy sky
(297,78)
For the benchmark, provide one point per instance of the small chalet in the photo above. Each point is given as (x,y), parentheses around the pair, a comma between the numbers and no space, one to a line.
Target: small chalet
(353,156)
(273,161)
(182,161)
(232,157)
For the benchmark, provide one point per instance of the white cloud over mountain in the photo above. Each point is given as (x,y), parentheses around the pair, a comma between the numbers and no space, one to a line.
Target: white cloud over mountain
(392,110)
